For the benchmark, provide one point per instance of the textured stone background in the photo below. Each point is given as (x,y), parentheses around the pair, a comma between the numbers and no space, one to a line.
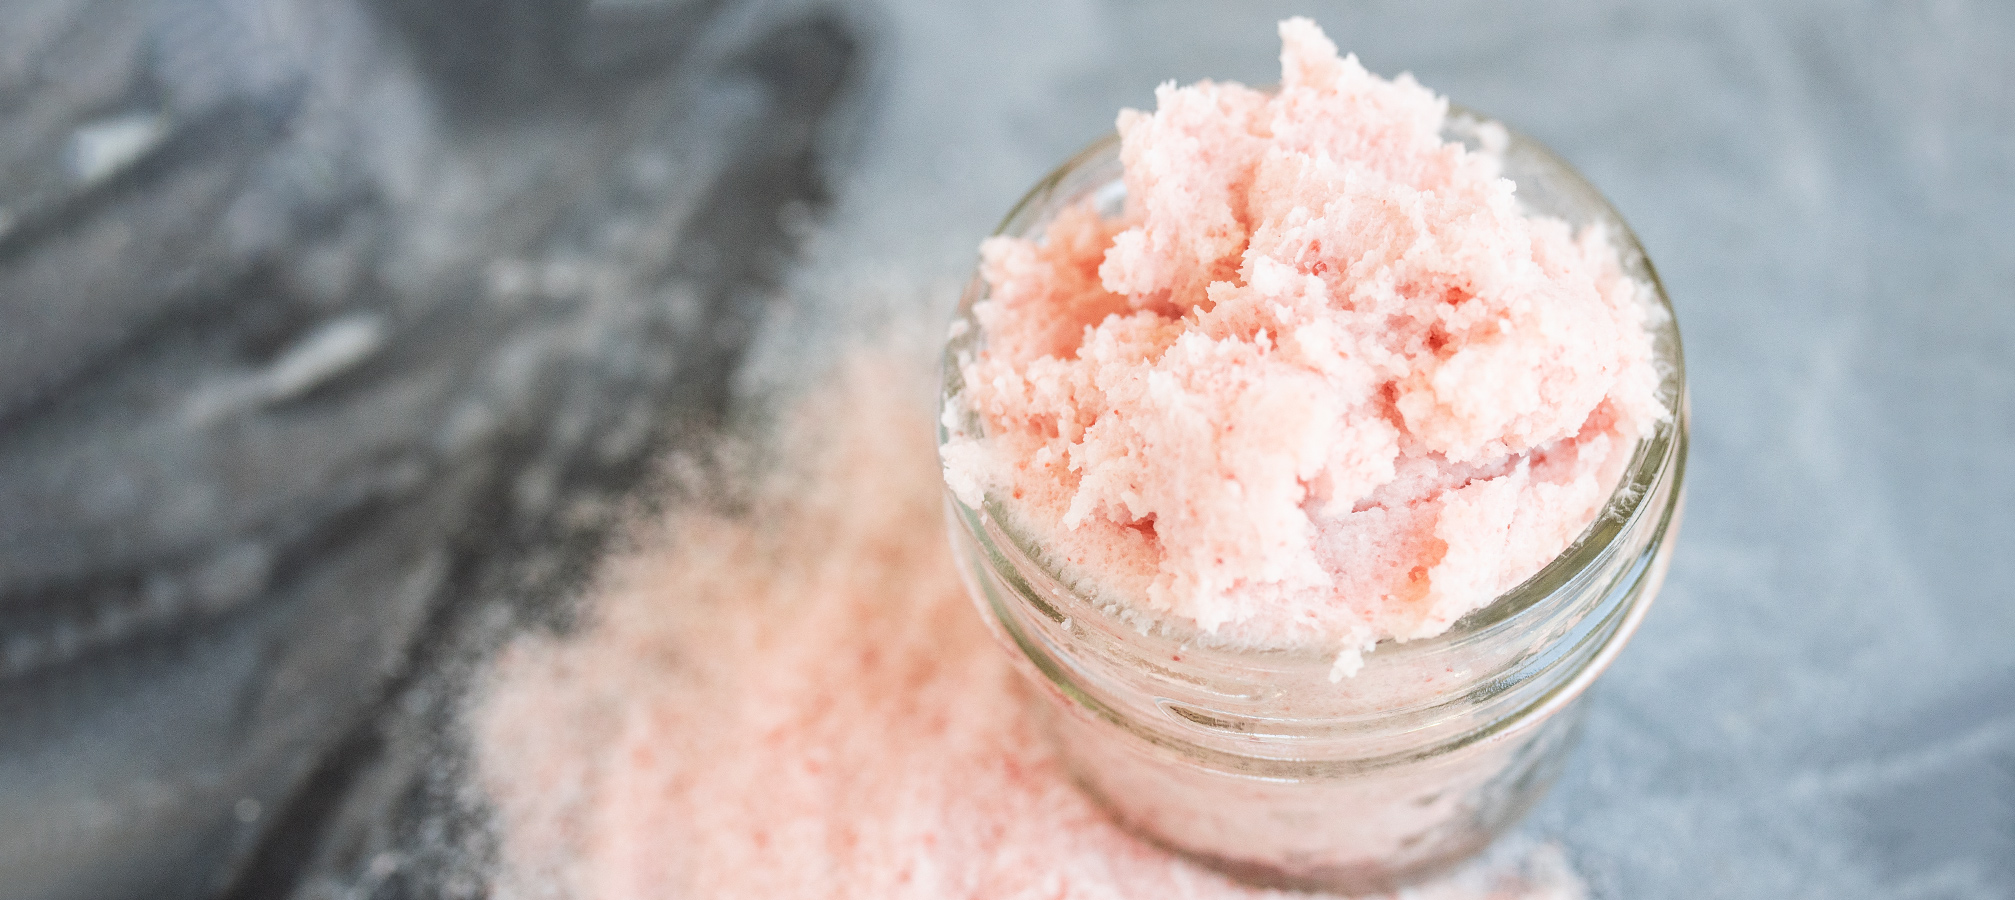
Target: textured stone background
(334,335)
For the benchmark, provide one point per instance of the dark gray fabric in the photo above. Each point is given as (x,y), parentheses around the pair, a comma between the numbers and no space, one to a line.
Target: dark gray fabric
(331,335)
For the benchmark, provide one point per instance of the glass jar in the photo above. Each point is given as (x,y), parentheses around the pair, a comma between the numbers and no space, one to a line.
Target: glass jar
(1256,762)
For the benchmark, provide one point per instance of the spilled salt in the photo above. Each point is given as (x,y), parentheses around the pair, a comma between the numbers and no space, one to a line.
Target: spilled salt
(797,700)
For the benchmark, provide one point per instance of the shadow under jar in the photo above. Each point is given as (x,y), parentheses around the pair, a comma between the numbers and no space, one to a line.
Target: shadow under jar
(1257,763)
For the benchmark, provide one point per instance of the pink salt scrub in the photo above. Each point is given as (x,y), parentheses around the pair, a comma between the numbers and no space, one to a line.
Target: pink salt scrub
(799,702)
(1322,383)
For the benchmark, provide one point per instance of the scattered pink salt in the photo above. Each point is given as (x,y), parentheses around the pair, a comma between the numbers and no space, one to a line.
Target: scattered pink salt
(799,701)
(1330,384)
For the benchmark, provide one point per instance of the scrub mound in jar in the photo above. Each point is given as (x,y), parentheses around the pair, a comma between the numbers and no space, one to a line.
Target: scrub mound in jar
(1321,382)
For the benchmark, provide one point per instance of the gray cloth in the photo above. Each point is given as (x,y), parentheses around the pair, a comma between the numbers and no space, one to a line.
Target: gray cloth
(332,336)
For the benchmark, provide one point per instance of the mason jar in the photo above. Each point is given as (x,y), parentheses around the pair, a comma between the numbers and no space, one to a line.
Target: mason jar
(1256,762)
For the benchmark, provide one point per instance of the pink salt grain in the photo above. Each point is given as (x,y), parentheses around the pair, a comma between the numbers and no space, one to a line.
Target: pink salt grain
(1330,386)
(799,702)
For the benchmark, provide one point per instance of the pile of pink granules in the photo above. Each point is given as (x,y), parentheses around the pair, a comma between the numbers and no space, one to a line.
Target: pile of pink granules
(797,700)
(1323,382)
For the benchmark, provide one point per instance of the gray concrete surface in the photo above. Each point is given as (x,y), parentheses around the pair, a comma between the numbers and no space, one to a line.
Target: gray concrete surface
(1822,704)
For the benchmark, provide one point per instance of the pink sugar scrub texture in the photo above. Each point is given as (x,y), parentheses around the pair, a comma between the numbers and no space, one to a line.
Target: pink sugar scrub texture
(797,701)
(1320,383)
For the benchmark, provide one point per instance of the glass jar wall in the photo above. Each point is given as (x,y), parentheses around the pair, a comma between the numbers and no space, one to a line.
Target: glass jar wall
(1260,763)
